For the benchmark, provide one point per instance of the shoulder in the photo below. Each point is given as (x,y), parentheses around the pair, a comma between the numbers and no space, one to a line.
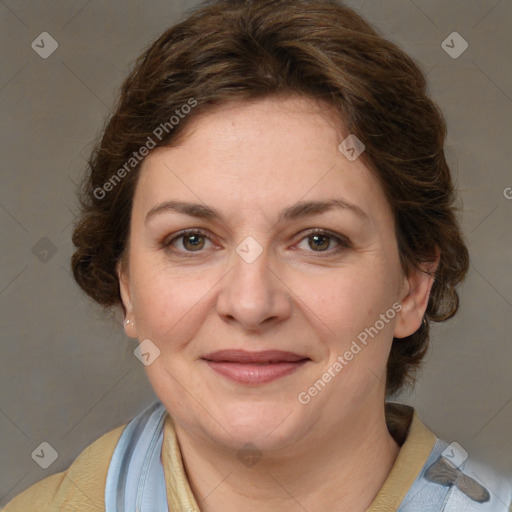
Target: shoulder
(80,488)
(452,481)
(474,485)
(437,475)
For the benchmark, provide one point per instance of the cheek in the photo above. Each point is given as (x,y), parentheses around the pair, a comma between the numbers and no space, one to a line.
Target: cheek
(336,295)
(170,303)
(156,298)
(344,302)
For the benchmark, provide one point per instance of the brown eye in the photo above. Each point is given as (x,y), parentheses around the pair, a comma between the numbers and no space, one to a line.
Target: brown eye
(319,242)
(193,242)
(187,241)
(322,241)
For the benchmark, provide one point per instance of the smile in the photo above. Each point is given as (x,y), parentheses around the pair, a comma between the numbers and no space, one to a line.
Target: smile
(254,367)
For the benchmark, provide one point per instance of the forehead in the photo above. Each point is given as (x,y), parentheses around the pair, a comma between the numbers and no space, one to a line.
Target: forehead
(258,154)
(266,126)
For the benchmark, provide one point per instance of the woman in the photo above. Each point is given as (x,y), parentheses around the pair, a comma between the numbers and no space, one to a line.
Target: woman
(271,207)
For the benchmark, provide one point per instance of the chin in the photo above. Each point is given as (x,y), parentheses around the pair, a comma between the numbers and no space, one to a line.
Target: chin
(266,425)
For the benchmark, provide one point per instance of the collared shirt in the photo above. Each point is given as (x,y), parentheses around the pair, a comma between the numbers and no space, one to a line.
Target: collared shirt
(429,475)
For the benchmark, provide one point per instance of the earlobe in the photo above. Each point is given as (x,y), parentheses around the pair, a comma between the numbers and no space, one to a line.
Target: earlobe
(124,290)
(415,301)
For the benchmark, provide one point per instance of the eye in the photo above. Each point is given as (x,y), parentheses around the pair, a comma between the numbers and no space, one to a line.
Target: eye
(190,240)
(320,240)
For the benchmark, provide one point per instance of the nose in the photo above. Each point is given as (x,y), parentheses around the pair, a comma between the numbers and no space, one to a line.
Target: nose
(253,295)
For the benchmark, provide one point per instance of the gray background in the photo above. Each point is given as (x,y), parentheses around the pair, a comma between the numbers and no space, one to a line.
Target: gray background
(68,375)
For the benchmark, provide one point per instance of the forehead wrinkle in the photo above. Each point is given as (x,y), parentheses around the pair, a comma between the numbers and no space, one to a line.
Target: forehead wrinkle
(296,211)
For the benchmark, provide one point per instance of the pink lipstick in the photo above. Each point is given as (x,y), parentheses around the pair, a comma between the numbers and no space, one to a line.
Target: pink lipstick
(254,367)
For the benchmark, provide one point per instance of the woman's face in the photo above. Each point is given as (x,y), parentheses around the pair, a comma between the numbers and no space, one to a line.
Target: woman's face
(251,183)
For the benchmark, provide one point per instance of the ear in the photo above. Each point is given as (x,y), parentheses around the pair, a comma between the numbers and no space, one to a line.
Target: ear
(416,292)
(124,289)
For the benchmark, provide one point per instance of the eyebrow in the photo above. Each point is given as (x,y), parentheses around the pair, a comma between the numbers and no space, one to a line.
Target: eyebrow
(296,211)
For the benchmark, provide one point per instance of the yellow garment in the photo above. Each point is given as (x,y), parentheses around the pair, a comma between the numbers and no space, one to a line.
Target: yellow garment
(81,487)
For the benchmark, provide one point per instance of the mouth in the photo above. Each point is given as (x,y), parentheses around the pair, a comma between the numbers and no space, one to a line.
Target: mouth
(254,367)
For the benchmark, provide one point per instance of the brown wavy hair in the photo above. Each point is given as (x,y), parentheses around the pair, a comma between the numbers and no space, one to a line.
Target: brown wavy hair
(230,50)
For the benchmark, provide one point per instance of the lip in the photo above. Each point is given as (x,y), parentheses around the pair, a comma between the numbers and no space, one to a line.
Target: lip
(254,367)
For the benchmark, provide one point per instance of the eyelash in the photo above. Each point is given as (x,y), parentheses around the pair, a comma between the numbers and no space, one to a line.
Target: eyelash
(343,242)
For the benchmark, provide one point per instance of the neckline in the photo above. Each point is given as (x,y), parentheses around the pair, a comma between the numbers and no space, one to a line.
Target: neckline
(414,438)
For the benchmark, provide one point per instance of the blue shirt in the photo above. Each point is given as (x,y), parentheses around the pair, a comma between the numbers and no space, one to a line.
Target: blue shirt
(447,481)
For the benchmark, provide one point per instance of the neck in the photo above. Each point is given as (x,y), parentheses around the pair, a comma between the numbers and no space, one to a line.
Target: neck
(342,469)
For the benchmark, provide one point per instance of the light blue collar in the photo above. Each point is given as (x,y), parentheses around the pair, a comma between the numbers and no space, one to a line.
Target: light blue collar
(135,479)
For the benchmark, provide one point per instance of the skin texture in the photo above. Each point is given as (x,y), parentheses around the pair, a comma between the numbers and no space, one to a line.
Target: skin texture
(249,161)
